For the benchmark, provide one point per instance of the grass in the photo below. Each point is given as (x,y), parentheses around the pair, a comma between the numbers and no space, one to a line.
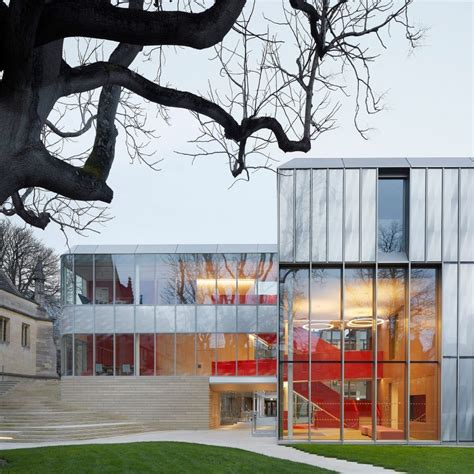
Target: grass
(410,459)
(163,457)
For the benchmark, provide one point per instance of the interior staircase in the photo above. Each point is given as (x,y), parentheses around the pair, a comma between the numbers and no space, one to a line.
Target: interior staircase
(31,411)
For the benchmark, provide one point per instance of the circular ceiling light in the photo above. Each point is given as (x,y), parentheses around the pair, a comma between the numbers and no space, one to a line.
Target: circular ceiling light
(362,322)
(316,326)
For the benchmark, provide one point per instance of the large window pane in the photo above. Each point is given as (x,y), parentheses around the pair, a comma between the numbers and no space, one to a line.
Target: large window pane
(145,268)
(267,274)
(246,354)
(352,215)
(66,354)
(124,354)
(302,216)
(83,354)
(124,279)
(146,353)
(104,278)
(325,314)
(104,354)
(226,279)
(286,201)
(164,354)
(83,270)
(247,265)
(358,396)
(319,215)
(335,215)
(267,353)
(205,279)
(185,354)
(424,401)
(391,314)
(294,314)
(205,353)
(326,398)
(226,354)
(358,313)
(423,317)
(67,279)
(166,278)
(392,216)
(391,402)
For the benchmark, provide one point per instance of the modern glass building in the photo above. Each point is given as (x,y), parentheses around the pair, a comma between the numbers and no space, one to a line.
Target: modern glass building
(376,323)
(367,302)
(172,312)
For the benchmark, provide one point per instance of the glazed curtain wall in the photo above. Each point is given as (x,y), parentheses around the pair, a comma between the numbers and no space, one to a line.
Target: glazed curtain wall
(359,352)
(167,279)
(206,354)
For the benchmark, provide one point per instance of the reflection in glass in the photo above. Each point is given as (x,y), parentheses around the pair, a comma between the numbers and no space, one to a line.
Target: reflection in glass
(83,354)
(247,265)
(145,268)
(266,353)
(205,275)
(66,354)
(391,216)
(391,313)
(124,354)
(124,279)
(424,403)
(166,278)
(294,314)
(185,354)
(226,354)
(83,269)
(226,279)
(246,356)
(267,274)
(164,354)
(325,314)
(423,316)
(205,353)
(286,200)
(104,354)
(358,311)
(104,278)
(146,354)
(302,216)
(391,402)
(67,279)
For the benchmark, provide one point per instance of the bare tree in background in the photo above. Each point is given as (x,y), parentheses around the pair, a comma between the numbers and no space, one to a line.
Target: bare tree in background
(269,101)
(20,254)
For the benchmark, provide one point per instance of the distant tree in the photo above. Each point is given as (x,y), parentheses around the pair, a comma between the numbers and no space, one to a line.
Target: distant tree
(264,101)
(20,254)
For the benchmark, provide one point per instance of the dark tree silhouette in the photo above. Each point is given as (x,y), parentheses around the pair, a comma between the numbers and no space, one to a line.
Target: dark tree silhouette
(269,102)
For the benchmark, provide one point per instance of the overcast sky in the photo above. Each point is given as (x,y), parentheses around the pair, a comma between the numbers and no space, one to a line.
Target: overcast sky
(429,112)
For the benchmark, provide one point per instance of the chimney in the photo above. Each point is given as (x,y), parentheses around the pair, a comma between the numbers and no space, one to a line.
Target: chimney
(39,284)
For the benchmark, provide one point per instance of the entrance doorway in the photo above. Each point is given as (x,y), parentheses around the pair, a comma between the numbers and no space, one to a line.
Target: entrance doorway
(235,407)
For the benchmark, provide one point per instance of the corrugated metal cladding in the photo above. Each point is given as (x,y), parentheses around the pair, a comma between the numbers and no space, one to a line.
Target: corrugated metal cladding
(328,214)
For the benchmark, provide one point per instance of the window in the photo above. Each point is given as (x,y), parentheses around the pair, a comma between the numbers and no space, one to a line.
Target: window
(4,329)
(392,215)
(25,335)
(418,408)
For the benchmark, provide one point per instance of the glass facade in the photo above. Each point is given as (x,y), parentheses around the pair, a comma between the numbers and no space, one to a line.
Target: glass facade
(170,314)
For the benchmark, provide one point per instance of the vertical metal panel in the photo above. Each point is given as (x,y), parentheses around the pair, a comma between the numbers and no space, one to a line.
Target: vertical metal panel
(368,206)
(335,212)
(302,217)
(286,216)
(319,215)
(466,309)
(352,221)
(450,214)
(417,214)
(67,320)
(104,319)
(124,318)
(450,309)
(466,400)
(448,398)
(84,319)
(466,222)
(434,205)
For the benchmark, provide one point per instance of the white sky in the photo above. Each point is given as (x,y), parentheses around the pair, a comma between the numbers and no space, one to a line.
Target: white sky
(429,112)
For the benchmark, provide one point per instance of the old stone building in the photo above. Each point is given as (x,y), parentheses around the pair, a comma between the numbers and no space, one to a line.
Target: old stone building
(27,348)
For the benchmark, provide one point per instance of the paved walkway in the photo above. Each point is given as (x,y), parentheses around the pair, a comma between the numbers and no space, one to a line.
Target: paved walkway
(233,437)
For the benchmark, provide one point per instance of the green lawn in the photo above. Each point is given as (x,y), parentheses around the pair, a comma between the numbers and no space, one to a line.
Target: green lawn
(410,459)
(163,457)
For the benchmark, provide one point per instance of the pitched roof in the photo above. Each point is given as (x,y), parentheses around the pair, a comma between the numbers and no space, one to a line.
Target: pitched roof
(7,285)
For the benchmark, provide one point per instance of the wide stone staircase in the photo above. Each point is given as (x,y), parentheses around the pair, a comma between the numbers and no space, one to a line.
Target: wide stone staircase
(31,411)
